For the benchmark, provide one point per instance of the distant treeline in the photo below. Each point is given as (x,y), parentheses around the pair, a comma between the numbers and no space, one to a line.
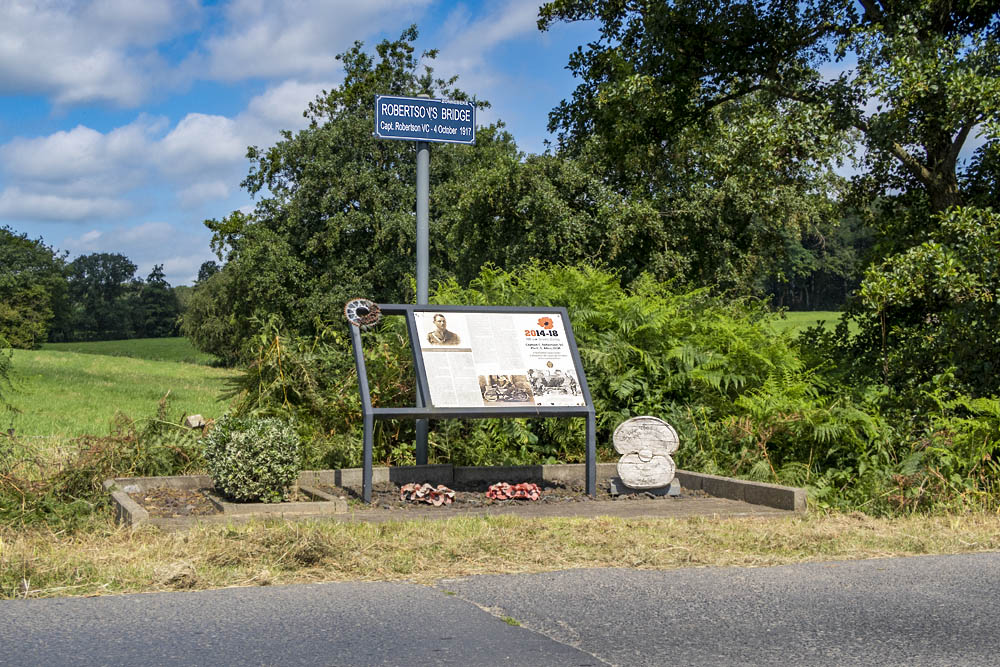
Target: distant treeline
(98,296)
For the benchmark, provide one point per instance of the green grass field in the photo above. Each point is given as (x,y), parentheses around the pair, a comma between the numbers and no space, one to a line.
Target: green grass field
(154,349)
(62,394)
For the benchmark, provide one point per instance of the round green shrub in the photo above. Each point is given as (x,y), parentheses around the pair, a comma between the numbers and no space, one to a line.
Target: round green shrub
(253,459)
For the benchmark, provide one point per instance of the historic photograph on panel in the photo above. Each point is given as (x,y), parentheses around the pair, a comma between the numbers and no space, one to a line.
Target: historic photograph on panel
(442,331)
(440,335)
(554,386)
(507,389)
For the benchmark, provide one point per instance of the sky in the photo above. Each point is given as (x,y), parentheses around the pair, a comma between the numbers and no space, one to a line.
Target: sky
(124,124)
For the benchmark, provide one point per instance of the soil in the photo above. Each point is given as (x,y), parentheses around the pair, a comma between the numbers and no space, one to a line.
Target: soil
(172,503)
(166,502)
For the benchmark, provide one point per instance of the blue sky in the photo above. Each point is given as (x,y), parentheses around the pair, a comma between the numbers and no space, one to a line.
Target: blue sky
(124,123)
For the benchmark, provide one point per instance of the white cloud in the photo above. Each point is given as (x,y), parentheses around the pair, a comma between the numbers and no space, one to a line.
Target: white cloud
(205,155)
(83,52)
(275,38)
(202,192)
(154,234)
(17,204)
(82,161)
(469,40)
(82,174)
(146,245)
(281,106)
(200,143)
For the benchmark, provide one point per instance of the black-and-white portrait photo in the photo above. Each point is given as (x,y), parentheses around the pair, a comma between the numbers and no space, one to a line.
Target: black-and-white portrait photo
(440,335)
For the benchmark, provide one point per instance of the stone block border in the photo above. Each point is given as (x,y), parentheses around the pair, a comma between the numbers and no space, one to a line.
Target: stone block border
(129,512)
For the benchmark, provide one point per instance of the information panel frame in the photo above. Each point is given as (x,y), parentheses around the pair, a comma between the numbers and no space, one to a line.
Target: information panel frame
(425,409)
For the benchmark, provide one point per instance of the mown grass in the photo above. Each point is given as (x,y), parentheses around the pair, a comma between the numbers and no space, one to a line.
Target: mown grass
(108,559)
(154,349)
(795,321)
(66,394)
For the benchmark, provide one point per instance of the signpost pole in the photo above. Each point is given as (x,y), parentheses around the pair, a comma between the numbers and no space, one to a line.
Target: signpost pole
(423,197)
(423,120)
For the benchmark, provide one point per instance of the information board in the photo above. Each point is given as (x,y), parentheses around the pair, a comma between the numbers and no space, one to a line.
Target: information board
(497,359)
(482,362)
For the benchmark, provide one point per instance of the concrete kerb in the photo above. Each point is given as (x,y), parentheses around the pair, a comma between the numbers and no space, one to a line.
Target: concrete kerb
(788,498)
(129,512)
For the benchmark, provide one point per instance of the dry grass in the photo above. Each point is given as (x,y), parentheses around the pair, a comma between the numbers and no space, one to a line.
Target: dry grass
(108,559)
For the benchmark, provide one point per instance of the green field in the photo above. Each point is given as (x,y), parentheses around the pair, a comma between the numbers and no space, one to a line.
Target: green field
(800,320)
(63,393)
(153,349)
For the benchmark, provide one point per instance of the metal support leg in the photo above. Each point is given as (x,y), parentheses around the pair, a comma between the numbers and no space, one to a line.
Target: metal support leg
(366,475)
(591,455)
(422,429)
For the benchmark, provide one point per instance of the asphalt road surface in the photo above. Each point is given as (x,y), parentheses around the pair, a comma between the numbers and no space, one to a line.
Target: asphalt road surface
(932,610)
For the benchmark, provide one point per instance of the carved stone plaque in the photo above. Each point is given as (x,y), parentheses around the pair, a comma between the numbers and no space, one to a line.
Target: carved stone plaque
(649,433)
(646,444)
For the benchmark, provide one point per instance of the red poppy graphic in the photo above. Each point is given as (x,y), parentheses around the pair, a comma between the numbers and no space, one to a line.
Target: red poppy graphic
(545,323)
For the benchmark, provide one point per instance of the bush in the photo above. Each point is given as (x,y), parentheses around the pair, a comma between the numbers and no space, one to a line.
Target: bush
(253,459)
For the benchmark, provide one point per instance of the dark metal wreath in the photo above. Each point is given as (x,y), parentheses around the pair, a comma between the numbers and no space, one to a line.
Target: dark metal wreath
(362,313)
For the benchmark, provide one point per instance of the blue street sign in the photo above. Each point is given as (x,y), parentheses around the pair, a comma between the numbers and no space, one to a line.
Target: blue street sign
(423,119)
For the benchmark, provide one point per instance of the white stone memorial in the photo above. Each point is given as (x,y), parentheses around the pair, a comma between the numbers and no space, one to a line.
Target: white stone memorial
(646,444)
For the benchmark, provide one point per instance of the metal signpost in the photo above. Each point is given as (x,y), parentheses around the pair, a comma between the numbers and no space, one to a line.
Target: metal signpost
(476,362)
(423,120)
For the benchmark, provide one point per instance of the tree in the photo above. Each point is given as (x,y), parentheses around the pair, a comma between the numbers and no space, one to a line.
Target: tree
(516,208)
(933,309)
(102,290)
(32,289)
(209,320)
(207,270)
(925,78)
(183,293)
(338,221)
(821,268)
(338,218)
(158,307)
(918,78)
(726,197)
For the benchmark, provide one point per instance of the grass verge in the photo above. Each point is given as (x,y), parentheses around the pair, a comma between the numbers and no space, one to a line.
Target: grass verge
(106,559)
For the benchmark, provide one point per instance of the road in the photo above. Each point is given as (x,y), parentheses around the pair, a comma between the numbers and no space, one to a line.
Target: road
(931,610)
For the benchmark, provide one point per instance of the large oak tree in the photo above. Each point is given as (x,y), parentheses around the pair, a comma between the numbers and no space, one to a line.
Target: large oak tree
(915,79)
